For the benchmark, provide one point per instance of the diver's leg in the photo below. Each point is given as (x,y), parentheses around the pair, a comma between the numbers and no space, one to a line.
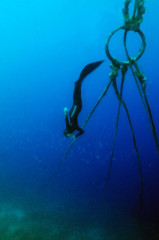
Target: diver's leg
(77,101)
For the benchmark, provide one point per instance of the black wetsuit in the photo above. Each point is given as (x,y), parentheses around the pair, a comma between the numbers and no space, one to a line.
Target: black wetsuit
(72,124)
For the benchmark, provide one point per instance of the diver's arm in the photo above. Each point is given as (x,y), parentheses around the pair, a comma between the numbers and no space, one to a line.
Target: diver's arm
(67,122)
(80,132)
(66,118)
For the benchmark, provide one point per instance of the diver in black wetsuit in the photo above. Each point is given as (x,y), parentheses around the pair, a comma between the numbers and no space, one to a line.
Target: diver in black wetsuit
(72,120)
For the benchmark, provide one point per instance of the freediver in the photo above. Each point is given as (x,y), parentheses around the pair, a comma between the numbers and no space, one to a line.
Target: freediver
(72,119)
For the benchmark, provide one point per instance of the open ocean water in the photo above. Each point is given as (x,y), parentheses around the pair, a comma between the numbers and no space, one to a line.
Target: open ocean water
(44,45)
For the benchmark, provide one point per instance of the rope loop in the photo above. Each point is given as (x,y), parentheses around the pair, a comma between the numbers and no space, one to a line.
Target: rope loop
(128,62)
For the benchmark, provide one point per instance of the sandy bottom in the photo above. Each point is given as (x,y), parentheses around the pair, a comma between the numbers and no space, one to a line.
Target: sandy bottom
(20,224)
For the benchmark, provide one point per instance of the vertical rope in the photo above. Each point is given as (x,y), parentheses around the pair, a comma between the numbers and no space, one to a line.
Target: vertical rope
(135,145)
(116,128)
(143,97)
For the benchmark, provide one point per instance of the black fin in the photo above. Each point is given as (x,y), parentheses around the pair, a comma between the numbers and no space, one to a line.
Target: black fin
(88,69)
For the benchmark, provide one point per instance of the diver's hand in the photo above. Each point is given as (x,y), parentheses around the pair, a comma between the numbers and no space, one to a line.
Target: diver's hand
(66,111)
(72,136)
(69,135)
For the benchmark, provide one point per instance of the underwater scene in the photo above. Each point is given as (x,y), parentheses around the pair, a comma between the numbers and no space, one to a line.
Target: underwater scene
(79,125)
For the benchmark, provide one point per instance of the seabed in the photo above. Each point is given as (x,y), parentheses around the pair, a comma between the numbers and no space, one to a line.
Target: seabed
(20,224)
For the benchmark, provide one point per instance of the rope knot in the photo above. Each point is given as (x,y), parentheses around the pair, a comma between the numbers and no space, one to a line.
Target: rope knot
(115,68)
(133,22)
(124,69)
(141,78)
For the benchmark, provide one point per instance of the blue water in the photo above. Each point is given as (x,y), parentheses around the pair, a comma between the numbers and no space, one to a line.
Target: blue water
(43,47)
